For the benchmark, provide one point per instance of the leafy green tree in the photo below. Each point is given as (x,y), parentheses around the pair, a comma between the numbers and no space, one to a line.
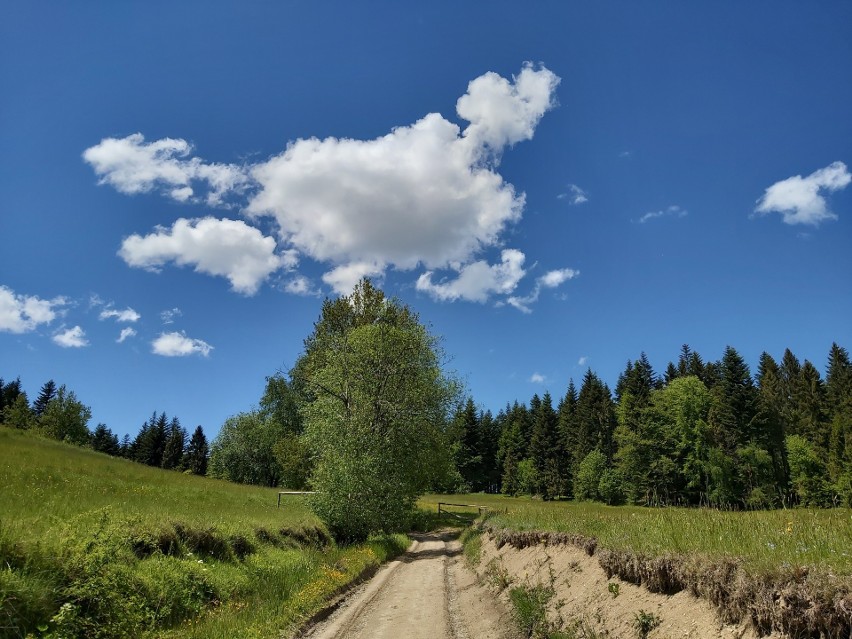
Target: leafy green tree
(377,418)
(47,392)
(18,414)
(294,460)
(528,479)
(65,418)
(587,479)
(197,453)
(243,451)
(807,472)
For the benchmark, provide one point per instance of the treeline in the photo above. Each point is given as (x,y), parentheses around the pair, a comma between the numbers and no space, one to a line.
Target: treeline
(58,414)
(702,433)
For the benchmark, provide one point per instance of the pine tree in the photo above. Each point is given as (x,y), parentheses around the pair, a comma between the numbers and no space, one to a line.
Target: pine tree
(469,460)
(770,402)
(105,441)
(813,423)
(48,392)
(173,449)
(545,450)
(150,443)
(197,453)
(595,418)
(566,416)
(838,393)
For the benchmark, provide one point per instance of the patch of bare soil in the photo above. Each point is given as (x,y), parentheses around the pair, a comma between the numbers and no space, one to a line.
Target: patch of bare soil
(428,593)
(584,597)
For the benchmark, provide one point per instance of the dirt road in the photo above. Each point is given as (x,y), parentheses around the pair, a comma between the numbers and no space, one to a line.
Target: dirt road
(428,593)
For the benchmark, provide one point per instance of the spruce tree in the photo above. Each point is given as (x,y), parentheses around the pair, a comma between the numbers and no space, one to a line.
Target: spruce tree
(545,450)
(566,416)
(48,392)
(173,449)
(197,453)
(105,441)
(595,418)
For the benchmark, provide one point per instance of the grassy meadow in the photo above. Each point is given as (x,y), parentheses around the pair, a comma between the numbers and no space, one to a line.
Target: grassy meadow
(764,540)
(94,546)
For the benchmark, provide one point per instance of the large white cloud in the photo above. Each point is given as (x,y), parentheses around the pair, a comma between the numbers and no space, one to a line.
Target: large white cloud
(74,337)
(427,194)
(179,345)
(799,199)
(23,313)
(228,248)
(133,166)
(423,194)
(479,280)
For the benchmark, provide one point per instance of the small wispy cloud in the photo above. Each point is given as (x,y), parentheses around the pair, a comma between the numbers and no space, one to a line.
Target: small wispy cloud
(799,199)
(551,279)
(574,195)
(301,285)
(168,316)
(583,360)
(625,154)
(125,333)
(673,211)
(127,315)
(537,378)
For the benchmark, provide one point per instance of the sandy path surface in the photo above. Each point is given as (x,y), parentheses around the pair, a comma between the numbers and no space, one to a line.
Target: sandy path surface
(428,593)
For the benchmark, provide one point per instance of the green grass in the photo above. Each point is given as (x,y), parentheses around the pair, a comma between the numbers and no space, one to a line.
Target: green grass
(93,546)
(765,540)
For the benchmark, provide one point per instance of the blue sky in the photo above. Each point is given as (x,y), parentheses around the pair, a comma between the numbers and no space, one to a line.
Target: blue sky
(552,187)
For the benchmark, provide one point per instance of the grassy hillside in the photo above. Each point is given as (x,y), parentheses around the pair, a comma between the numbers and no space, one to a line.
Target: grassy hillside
(93,546)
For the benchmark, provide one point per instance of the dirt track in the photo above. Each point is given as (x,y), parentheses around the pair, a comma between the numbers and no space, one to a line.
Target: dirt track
(428,593)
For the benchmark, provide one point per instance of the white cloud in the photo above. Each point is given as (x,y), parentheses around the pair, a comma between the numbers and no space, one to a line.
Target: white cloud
(537,378)
(23,313)
(179,345)
(301,285)
(71,338)
(673,211)
(574,195)
(551,279)
(127,315)
(798,199)
(132,166)
(168,316)
(125,333)
(344,278)
(426,194)
(477,281)
(582,361)
(423,194)
(229,248)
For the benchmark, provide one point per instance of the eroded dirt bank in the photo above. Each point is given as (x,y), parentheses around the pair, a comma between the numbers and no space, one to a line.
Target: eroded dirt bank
(585,599)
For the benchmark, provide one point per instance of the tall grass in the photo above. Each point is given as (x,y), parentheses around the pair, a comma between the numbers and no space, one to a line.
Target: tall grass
(764,540)
(93,546)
